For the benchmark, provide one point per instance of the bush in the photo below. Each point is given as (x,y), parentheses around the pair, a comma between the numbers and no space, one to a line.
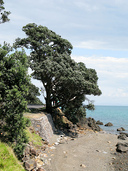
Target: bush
(14,83)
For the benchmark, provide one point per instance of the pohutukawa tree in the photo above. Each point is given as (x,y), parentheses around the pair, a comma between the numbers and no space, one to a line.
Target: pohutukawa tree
(64,79)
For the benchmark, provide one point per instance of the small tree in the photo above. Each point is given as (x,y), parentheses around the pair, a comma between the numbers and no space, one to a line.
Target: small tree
(14,83)
(4,14)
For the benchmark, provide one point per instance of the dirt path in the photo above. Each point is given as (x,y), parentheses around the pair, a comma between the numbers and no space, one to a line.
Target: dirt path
(90,152)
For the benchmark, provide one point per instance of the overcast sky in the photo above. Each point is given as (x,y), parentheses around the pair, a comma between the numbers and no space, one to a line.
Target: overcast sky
(97,29)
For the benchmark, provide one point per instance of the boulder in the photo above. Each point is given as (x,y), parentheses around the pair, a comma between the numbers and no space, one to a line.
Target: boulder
(92,123)
(122,147)
(122,137)
(34,152)
(121,129)
(124,133)
(30,164)
(99,122)
(108,124)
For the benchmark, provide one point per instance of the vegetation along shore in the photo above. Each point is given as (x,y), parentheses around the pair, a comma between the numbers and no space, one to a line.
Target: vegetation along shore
(58,136)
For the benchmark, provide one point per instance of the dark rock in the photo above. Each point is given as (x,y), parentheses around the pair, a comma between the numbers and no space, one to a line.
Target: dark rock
(122,147)
(124,133)
(30,164)
(34,152)
(121,129)
(99,122)
(108,124)
(92,123)
(72,134)
(122,137)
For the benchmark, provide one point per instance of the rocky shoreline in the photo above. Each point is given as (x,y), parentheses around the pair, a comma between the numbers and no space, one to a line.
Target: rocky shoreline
(78,147)
(88,150)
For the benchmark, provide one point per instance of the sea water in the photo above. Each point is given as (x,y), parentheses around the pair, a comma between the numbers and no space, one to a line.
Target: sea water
(117,115)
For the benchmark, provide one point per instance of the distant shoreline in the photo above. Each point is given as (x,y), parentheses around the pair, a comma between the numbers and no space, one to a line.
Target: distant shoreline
(117,115)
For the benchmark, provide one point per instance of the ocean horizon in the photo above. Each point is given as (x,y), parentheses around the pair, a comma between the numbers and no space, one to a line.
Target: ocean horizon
(117,115)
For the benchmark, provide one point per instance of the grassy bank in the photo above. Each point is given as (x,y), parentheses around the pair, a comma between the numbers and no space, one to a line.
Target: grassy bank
(8,161)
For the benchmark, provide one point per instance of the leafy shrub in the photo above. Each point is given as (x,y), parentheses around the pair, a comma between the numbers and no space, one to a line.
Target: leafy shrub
(14,83)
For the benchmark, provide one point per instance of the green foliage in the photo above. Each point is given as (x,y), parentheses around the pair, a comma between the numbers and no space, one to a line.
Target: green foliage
(27,122)
(64,79)
(13,87)
(4,14)
(8,161)
(31,97)
(75,110)
(75,114)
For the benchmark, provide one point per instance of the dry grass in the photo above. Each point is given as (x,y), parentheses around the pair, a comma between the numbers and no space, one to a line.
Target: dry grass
(33,115)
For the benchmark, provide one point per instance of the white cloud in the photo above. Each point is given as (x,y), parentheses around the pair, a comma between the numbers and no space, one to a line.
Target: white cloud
(113,78)
(91,44)
(106,43)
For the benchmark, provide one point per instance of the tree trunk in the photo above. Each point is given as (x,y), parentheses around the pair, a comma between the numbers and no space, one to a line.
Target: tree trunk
(48,102)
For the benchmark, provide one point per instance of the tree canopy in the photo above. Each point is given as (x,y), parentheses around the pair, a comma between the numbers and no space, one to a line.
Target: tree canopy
(3,14)
(64,79)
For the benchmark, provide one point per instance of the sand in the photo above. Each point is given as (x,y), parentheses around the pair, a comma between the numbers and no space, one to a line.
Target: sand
(89,152)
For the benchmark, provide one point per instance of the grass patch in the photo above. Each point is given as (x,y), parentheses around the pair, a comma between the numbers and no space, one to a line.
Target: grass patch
(8,161)
(34,138)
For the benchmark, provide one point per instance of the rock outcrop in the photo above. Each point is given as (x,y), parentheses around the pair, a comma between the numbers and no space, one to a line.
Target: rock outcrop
(122,137)
(108,124)
(92,124)
(122,147)
(121,129)
(99,122)
(124,133)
